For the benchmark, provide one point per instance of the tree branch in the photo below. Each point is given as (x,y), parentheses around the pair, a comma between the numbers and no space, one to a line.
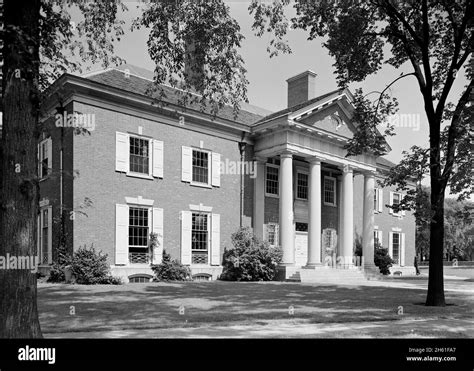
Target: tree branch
(454,62)
(452,133)
(396,14)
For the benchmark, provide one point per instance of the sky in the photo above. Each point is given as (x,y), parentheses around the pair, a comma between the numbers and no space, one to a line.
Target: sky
(267,77)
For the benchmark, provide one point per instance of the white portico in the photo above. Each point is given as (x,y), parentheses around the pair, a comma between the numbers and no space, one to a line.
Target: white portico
(311,135)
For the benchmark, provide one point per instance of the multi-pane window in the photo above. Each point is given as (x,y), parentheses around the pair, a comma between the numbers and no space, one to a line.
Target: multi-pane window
(138,232)
(329,191)
(44,160)
(396,198)
(200,238)
(139,155)
(272,234)
(271,186)
(200,166)
(301,227)
(45,236)
(396,248)
(302,186)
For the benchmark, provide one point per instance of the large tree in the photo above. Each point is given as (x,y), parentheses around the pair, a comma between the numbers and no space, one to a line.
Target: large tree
(41,43)
(435,37)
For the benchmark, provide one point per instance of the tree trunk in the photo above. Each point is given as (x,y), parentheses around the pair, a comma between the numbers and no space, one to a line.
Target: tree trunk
(18,168)
(435,295)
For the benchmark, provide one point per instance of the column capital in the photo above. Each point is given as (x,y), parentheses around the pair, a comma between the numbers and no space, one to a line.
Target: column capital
(346,168)
(314,160)
(369,174)
(286,154)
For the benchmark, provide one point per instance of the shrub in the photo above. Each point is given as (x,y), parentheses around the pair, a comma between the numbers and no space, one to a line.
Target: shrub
(90,267)
(171,270)
(56,274)
(382,259)
(250,259)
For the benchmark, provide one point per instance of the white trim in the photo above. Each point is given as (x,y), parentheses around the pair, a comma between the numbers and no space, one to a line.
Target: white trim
(139,201)
(200,208)
(334,180)
(276,231)
(209,167)
(400,247)
(392,194)
(44,202)
(277,195)
(49,247)
(150,157)
(315,106)
(49,155)
(305,172)
(396,229)
(209,240)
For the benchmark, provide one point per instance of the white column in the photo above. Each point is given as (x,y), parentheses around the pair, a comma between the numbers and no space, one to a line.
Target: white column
(348,217)
(368,221)
(314,225)
(287,240)
(259,198)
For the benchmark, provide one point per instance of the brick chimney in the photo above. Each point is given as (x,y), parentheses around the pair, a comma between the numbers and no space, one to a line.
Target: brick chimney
(301,88)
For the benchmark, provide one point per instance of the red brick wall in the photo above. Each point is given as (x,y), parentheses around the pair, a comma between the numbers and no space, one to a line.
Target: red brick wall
(94,157)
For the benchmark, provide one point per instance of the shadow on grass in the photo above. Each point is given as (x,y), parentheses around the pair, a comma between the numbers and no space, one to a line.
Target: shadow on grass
(157,305)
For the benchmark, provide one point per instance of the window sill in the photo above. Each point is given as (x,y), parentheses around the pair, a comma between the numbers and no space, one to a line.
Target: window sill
(271,195)
(301,199)
(327,204)
(201,185)
(141,176)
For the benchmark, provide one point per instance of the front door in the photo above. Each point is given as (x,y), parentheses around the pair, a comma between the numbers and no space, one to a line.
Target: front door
(301,244)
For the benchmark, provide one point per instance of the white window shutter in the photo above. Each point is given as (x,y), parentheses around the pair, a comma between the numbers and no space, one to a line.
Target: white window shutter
(380,199)
(379,236)
(186,164)
(186,226)
(402,249)
(403,211)
(38,235)
(277,234)
(265,232)
(121,234)
(122,149)
(216,169)
(158,158)
(158,228)
(390,244)
(391,211)
(38,157)
(216,240)
(50,235)
(49,151)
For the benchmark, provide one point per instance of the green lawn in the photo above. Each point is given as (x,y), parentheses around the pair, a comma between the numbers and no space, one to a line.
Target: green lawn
(156,306)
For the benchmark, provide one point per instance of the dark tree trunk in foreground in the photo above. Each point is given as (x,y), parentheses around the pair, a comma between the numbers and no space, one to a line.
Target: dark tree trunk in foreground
(18,167)
(435,295)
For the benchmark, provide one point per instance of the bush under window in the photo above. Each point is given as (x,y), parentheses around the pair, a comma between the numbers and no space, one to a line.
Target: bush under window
(250,259)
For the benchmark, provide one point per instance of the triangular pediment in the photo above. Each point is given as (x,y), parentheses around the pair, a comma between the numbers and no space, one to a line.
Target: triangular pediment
(332,119)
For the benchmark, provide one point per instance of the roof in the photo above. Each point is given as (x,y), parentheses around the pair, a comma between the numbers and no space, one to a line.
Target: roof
(384,162)
(140,81)
(302,105)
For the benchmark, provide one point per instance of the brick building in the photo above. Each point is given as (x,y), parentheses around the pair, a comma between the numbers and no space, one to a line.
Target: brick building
(193,179)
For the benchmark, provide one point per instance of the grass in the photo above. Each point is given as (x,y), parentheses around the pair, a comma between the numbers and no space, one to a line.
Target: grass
(157,305)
